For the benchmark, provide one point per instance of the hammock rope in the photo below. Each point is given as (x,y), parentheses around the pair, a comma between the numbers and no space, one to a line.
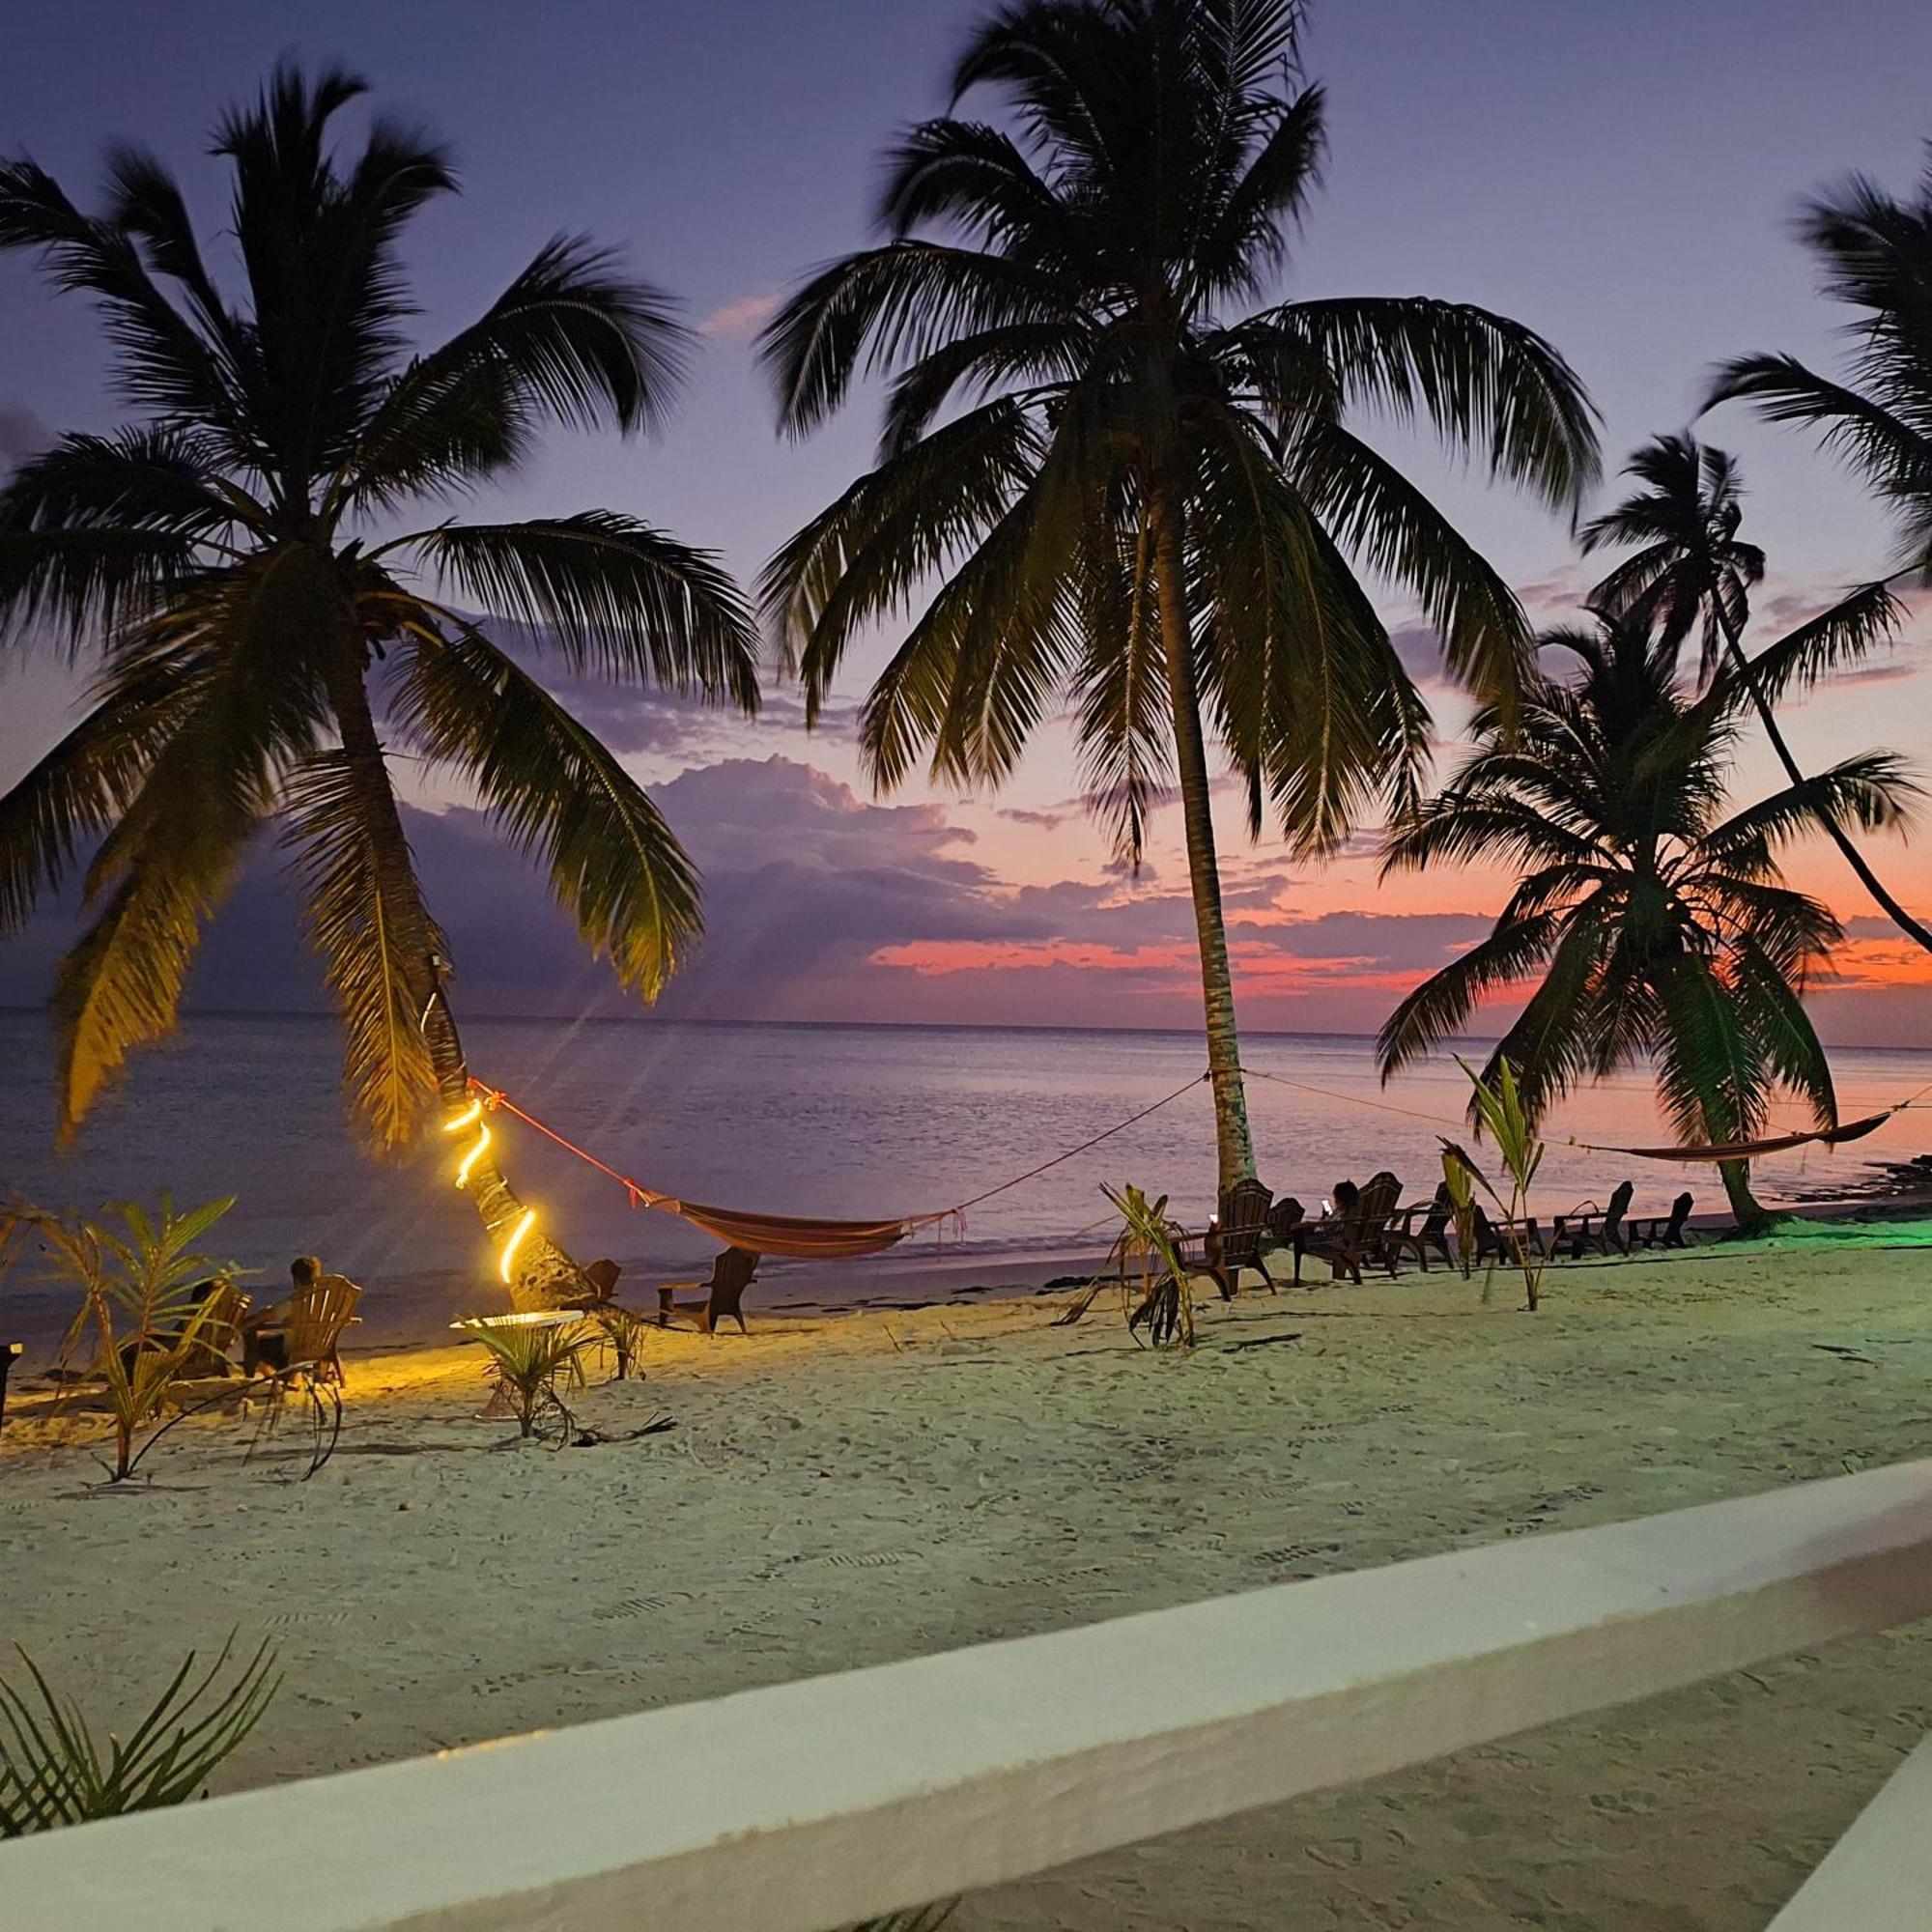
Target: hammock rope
(807,1237)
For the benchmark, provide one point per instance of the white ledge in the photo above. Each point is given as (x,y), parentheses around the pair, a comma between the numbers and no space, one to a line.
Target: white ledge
(814,1804)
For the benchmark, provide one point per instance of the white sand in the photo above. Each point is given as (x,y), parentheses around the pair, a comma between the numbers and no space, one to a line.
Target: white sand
(848,1489)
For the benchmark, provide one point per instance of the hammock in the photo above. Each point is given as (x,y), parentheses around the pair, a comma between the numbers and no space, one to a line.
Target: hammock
(793,1236)
(1855,1130)
(796,1237)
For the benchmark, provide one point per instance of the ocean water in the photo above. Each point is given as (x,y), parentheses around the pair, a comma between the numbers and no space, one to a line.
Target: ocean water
(862,1122)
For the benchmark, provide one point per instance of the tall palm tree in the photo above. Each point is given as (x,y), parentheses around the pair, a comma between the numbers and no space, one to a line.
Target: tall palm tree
(1692,571)
(256,638)
(1651,917)
(1138,485)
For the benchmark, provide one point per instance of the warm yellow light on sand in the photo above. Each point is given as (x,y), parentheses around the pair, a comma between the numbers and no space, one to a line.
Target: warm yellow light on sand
(471,1159)
(516,1240)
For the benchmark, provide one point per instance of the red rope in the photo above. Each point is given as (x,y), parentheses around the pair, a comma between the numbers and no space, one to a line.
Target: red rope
(494,1098)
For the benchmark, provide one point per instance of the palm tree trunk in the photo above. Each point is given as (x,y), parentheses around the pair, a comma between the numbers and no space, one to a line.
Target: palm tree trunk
(544,1274)
(1913,929)
(1234,1145)
(1750,1213)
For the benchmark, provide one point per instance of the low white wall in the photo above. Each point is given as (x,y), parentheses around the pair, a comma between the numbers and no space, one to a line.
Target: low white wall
(1878,1877)
(812,1804)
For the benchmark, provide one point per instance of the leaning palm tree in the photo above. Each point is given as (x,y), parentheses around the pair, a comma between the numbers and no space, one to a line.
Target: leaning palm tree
(259,629)
(1652,921)
(1137,484)
(1691,572)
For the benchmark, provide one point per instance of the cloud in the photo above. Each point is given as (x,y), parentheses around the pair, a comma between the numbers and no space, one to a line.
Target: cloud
(822,905)
(743,316)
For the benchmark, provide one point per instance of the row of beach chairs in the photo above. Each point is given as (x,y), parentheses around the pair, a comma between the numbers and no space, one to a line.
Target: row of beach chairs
(1370,1227)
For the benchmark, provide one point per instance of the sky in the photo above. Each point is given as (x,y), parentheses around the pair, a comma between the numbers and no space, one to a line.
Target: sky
(1620,178)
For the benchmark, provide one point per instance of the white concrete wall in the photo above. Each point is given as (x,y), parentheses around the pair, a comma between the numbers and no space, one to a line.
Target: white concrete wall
(810,1805)
(1878,1877)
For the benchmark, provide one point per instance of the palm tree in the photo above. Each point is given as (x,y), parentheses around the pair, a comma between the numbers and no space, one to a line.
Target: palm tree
(222,556)
(1137,487)
(1651,916)
(1691,572)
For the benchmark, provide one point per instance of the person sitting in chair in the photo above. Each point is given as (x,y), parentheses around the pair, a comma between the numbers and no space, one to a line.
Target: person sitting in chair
(264,1340)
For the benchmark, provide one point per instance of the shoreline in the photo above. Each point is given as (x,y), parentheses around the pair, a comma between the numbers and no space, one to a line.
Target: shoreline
(414,1310)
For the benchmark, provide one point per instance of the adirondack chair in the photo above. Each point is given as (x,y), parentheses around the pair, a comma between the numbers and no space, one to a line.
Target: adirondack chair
(731,1274)
(1337,1238)
(1495,1237)
(1588,1226)
(1382,1215)
(1664,1231)
(1239,1237)
(618,1324)
(221,1310)
(1433,1235)
(9,1353)
(312,1327)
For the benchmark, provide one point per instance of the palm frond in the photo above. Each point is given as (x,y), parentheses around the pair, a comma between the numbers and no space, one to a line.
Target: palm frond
(1486,383)
(613,863)
(613,593)
(359,930)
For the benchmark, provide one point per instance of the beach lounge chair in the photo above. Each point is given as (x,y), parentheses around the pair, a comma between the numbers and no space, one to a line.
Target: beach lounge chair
(731,1274)
(1588,1226)
(1664,1231)
(1239,1237)
(9,1353)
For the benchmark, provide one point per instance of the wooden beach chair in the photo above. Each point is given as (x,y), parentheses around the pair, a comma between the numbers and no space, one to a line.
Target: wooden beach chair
(9,1353)
(618,1324)
(309,1328)
(1433,1236)
(1239,1237)
(731,1274)
(1589,1226)
(1338,1237)
(207,1349)
(1381,1217)
(1664,1231)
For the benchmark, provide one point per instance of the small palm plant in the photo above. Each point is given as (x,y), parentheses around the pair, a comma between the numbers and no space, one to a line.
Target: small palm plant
(530,1364)
(139,1314)
(1499,1112)
(53,1771)
(1154,1289)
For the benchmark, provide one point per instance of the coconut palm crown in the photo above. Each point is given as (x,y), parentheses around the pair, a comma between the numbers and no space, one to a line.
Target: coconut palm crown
(1690,572)
(1652,921)
(1133,477)
(250,563)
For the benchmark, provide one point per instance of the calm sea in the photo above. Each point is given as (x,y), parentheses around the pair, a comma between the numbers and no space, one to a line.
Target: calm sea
(837,1121)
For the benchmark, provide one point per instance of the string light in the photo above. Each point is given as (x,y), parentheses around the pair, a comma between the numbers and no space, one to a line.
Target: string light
(516,1240)
(471,1159)
(470,1117)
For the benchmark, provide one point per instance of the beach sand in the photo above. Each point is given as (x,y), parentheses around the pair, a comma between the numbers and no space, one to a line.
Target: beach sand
(845,1490)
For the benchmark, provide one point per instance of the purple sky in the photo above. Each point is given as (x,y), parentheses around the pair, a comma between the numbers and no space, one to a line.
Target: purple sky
(1618,176)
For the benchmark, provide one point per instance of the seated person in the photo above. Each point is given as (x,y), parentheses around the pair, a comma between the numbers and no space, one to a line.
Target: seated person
(264,1338)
